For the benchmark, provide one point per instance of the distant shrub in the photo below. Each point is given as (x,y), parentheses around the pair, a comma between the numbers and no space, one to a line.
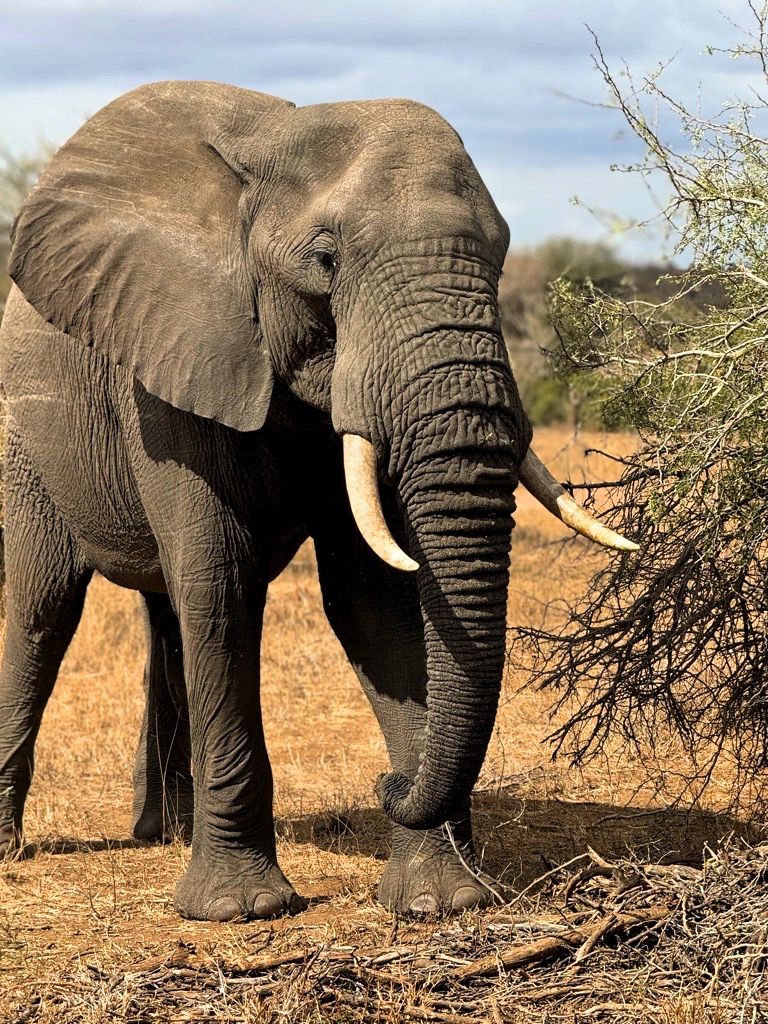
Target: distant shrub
(548,401)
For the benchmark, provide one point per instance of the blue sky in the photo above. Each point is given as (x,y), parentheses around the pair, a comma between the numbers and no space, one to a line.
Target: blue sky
(501,71)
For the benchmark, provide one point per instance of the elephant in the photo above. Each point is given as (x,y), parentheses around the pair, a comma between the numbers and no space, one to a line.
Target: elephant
(236,324)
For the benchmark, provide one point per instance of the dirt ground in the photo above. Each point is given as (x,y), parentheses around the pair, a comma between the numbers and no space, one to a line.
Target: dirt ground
(85,922)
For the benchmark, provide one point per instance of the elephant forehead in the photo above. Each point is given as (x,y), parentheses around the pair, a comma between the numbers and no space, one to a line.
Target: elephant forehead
(406,170)
(414,196)
(368,117)
(391,137)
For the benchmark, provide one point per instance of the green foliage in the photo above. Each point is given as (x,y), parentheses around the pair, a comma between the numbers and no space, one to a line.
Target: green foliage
(547,401)
(530,279)
(580,261)
(17,176)
(678,635)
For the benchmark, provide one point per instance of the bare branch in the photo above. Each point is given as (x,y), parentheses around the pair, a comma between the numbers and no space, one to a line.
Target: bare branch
(674,640)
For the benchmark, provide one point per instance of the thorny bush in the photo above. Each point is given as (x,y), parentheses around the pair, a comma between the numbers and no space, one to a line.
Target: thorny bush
(676,637)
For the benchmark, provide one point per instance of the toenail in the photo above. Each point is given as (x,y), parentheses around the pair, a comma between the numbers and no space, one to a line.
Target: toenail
(267,904)
(225,908)
(425,904)
(466,897)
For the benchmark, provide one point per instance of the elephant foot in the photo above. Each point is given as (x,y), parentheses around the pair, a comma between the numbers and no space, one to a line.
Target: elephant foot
(428,875)
(165,816)
(11,842)
(225,890)
(11,820)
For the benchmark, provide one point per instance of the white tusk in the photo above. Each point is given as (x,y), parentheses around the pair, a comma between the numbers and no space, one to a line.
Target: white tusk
(543,486)
(363,490)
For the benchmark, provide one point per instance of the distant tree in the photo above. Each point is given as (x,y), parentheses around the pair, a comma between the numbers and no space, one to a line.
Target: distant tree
(581,261)
(524,297)
(17,176)
(676,638)
(525,320)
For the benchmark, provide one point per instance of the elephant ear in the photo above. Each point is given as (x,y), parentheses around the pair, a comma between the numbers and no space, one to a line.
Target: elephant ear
(132,241)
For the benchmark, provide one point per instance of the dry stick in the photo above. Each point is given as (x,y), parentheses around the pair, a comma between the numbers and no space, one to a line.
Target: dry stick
(542,878)
(600,861)
(599,933)
(584,875)
(543,949)
(482,879)
(256,964)
(608,926)
(257,987)
(196,962)
(174,958)
(572,990)
(407,1011)
(385,976)
(387,956)
(191,1019)
(600,1008)
(494,1011)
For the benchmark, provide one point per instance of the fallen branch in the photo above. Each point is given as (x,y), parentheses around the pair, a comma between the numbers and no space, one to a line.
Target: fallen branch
(552,946)
(427,1013)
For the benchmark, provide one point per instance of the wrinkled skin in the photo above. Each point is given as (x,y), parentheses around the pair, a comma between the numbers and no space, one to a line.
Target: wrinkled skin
(212,287)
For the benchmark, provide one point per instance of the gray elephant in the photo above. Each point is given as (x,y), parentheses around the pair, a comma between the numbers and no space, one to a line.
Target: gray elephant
(228,312)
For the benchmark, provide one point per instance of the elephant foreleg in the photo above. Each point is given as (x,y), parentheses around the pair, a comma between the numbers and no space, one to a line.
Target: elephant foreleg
(374,611)
(163,803)
(233,872)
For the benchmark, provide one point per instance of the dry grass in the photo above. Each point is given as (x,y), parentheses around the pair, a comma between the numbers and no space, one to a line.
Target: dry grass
(87,928)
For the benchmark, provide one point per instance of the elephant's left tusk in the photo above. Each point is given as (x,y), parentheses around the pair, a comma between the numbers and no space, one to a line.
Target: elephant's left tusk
(554,497)
(363,490)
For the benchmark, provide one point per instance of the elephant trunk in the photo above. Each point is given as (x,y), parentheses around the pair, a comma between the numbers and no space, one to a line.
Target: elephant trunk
(435,396)
(456,493)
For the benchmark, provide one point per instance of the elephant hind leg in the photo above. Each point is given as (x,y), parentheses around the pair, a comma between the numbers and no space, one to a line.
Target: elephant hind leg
(47,580)
(163,802)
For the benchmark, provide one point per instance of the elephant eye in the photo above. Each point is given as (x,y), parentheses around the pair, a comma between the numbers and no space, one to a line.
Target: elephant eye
(326,259)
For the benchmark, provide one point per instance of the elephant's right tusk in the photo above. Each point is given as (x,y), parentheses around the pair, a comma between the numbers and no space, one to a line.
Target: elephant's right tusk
(363,490)
(534,474)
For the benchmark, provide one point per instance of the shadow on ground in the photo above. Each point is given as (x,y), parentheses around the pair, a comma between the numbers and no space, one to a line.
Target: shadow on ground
(520,839)
(67,844)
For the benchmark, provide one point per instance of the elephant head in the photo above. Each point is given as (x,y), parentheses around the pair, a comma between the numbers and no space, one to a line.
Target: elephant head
(214,240)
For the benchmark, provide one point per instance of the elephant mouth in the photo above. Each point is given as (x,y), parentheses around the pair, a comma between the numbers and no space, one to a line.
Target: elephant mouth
(363,489)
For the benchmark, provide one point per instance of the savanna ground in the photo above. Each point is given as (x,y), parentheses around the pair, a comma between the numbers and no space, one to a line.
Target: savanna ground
(87,926)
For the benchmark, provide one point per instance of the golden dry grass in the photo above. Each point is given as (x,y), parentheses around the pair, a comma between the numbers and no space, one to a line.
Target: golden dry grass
(94,908)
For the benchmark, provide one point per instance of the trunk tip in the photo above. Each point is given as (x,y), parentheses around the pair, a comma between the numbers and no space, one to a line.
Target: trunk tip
(392,789)
(395,791)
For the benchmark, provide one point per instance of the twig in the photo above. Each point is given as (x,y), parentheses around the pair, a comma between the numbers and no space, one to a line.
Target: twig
(544,949)
(542,878)
(403,1012)
(608,926)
